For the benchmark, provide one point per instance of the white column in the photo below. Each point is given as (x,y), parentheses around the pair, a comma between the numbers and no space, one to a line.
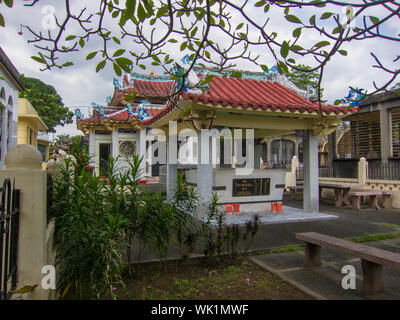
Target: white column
(4,136)
(172,166)
(114,143)
(204,167)
(142,150)
(310,173)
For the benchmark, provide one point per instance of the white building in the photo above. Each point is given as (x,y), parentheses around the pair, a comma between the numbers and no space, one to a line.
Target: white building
(9,87)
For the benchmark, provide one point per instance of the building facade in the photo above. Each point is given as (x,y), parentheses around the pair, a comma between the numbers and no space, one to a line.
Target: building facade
(9,88)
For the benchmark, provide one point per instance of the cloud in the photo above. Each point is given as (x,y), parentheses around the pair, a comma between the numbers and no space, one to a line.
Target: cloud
(79,85)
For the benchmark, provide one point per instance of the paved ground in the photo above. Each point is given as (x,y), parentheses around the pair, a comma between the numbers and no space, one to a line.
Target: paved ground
(325,281)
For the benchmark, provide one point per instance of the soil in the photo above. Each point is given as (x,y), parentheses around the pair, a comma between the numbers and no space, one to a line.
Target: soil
(197,279)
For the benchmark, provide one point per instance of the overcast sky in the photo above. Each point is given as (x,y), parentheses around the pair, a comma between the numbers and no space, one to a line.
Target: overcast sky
(80,85)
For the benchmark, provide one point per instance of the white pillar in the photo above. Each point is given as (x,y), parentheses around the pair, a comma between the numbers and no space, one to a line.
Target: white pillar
(310,173)
(114,143)
(4,135)
(362,171)
(142,150)
(172,166)
(204,167)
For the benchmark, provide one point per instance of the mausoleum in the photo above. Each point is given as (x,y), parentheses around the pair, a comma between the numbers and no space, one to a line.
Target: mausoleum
(257,105)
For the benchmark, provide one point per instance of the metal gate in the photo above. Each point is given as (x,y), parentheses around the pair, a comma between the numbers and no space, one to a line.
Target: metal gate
(9,228)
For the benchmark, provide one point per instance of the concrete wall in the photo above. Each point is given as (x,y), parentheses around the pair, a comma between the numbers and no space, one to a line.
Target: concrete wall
(35,246)
(11,91)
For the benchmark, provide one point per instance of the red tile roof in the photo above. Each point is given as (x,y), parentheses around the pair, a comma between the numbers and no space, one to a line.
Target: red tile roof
(247,94)
(121,116)
(145,89)
(253,95)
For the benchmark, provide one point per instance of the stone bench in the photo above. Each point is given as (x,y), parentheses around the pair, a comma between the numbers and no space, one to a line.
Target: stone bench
(372,259)
(293,190)
(387,198)
(356,198)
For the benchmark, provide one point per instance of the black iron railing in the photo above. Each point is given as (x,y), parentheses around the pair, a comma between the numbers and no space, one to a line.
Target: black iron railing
(384,171)
(339,169)
(49,197)
(9,229)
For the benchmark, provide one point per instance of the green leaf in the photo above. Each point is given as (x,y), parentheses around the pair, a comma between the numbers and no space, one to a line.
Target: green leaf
(70,38)
(374,20)
(239,26)
(337,102)
(183,46)
(297,32)
(260,3)
(312,20)
(162,11)
(2,24)
(130,8)
(9,3)
(116,40)
(155,58)
(282,67)
(236,75)
(292,18)
(343,52)
(142,66)
(100,65)
(326,15)
(117,69)
(67,64)
(284,49)
(141,13)
(123,61)
(208,79)
(81,42)
(321,44)
(118,52)
(38,59)
(266,8)
(296,48)
(264,67)
(115,14)
(91,55)
(173,40)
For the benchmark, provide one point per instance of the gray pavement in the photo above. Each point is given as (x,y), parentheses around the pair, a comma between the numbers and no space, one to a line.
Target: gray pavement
(324,282)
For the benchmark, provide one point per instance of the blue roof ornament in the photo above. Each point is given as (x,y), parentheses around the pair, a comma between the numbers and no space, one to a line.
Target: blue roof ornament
(108,100)
(273,70)
(130,109)
(100,110)
(117,86)
(145,102)
(354,96)
(142,113)
(78,114)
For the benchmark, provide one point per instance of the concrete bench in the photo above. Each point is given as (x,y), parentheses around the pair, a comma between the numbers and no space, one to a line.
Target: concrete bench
(293,190)
(372,259)
(387,198)
(356,198)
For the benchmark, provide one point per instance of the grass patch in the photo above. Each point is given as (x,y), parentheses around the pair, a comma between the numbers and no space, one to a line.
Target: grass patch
(390,225)
(374,237)
(288,248)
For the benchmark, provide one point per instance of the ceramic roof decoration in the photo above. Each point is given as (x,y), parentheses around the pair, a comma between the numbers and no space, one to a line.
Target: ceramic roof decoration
(252,91)
(78,114)
(354,97)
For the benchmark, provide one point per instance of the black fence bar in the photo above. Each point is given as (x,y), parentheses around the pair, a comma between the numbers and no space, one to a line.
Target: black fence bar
(339,169)
(384,171)
(9,229)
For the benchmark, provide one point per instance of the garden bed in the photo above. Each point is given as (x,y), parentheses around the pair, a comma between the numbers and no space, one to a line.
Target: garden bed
(196,279)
